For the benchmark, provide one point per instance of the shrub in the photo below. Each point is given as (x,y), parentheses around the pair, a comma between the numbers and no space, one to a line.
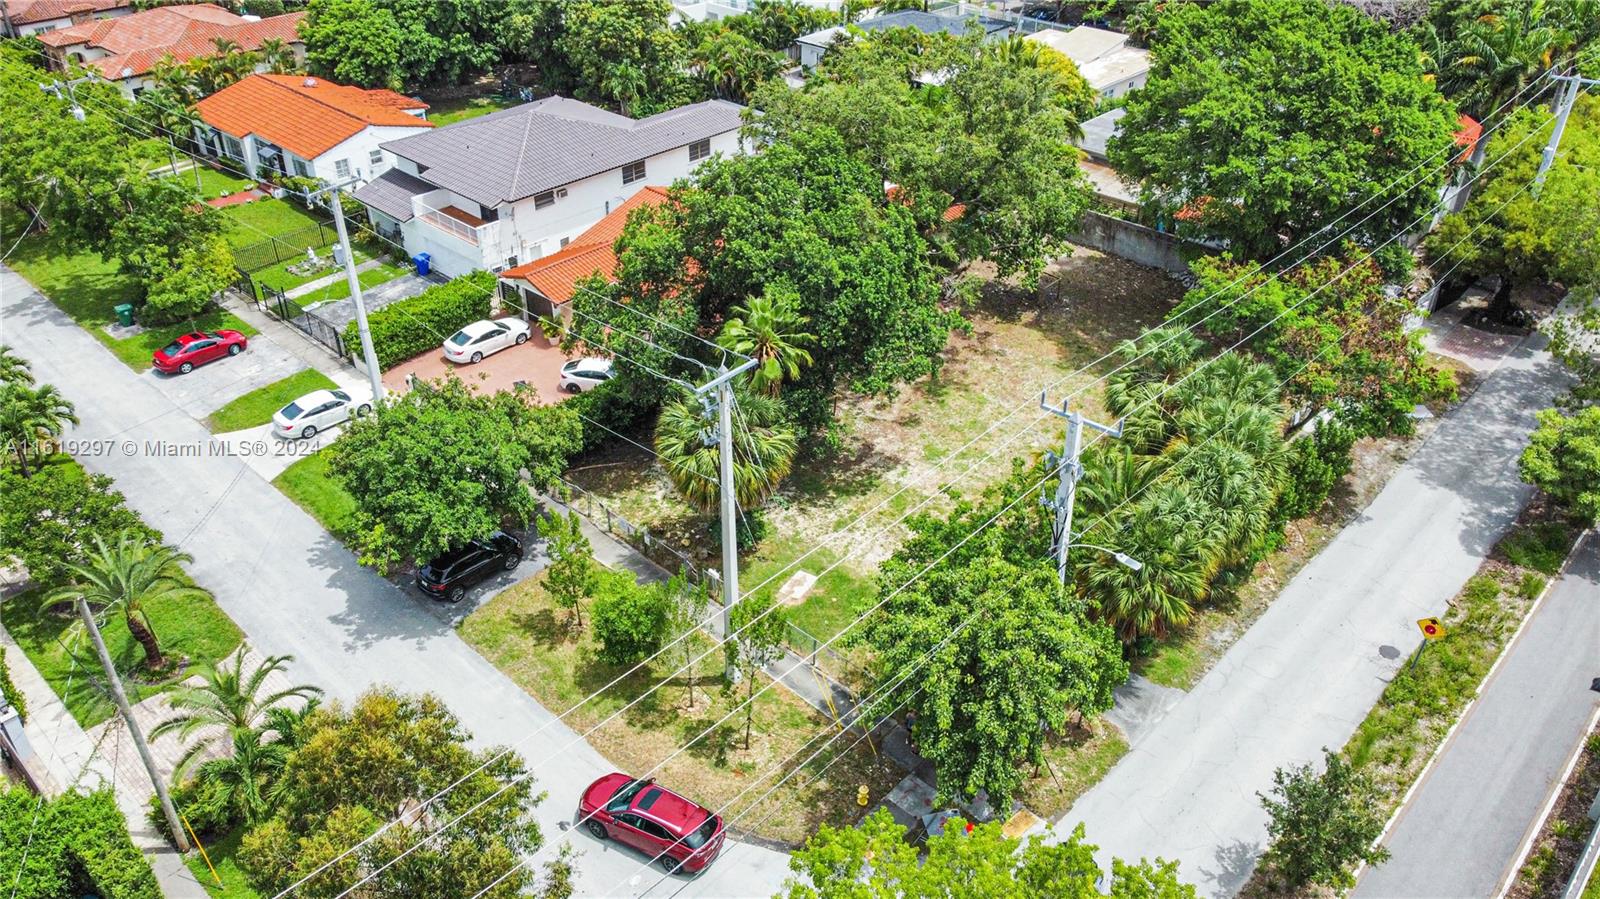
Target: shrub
(1316,464)
(9,692)
(608,406)
(1322,824)
(630,619)
(412,326)
(79,845)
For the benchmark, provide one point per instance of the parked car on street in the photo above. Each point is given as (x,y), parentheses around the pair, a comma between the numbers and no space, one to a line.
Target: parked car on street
(449,575)
(485,338)
(585,374)
(682,835)
(186,351)
(316,411)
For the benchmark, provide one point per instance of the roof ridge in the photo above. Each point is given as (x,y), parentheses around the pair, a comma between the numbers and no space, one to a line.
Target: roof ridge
(317,100)
(522,154)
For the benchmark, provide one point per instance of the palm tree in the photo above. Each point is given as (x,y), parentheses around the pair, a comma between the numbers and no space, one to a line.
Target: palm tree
(767,329)
(14,368)
(246,784)
(31,415)
(232,701)
(1235,491)
(1113,477)
(1497,55)
(1166,532)
(624,83)
(123,578)
(276,56)
(764,446)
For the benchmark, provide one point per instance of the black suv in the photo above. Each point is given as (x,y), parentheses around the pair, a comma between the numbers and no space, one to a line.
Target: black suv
(448,576)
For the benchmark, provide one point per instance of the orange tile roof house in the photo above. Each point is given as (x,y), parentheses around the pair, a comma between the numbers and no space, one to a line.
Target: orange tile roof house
(123,50)
(27,17)
(521,184)
(547,284)
(295,125)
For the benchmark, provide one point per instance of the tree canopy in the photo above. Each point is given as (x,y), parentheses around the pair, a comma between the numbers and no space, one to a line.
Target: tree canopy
(1271,118)
(875,859)
(443,465)
(406,44)
(1563,460)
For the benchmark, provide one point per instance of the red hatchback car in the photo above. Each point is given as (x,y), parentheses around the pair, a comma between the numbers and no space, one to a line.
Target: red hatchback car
(682,835)
(189,350)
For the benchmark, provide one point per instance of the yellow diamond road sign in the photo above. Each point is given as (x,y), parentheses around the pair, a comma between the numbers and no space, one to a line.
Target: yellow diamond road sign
(1432,628)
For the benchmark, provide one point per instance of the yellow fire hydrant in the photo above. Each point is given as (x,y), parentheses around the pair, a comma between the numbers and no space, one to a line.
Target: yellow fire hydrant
(861,796)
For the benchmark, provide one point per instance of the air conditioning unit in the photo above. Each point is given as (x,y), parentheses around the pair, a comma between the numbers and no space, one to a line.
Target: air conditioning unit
(561,193)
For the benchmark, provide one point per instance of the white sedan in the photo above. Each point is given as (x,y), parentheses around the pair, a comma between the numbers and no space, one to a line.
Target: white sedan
(485,338)
(316,411)
(585,374)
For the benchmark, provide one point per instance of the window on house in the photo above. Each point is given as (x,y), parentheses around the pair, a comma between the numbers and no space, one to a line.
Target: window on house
(301,169)
(565,241)
(341,167)
(232,147)
(548,198)
(700,149)
(633,171)
(376,157)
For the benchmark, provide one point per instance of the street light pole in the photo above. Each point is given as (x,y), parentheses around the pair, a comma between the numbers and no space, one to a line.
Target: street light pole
(1071,471)
(722,387)
(168,811)
(368,354)
(1563,111)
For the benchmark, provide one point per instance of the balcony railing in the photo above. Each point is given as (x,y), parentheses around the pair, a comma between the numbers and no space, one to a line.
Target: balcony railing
(455,222)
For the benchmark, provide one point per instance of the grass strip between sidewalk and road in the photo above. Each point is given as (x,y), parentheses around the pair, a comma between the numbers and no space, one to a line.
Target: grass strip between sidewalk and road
(313,488)
(257,406)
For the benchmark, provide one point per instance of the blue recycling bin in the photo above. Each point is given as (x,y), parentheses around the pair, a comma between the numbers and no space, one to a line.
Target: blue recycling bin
(424,262)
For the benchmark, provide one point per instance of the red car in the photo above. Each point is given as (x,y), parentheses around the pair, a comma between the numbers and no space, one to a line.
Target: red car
(682,835)
(189,350)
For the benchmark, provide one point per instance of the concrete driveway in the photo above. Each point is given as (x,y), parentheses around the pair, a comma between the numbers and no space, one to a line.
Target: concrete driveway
(294,589)
(537,362)
(214,385)
(1307,673)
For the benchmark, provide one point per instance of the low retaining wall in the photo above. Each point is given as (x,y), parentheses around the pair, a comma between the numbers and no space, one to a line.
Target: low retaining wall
(1135,242)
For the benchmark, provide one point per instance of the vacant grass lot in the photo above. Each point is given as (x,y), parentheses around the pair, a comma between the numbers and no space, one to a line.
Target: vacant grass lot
(257,406)
(315,490)
(266,218)
(215,183)
(524,635)
(959,430)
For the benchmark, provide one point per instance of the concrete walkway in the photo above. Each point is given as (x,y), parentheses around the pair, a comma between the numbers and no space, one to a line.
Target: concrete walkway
(1306,674)
(1465,824)
(75,760)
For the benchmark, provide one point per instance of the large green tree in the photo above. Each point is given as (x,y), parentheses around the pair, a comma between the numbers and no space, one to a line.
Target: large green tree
(1563,460)
(875,859)
(359,766)
(1508,231)
(1323,823)
(48,519)
(990,655)
(1272,118)
(442,465)
(623,52)
(354,42)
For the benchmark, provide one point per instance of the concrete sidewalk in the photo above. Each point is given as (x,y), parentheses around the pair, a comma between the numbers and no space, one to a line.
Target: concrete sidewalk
(75,761)
(1465,824)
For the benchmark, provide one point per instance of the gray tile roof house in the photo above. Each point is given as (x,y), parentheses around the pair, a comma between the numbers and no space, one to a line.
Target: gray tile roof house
(513,154)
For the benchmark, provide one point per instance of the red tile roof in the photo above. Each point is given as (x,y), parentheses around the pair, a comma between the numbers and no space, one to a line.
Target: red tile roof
(1468,133)
(135,43)
(27,12)
(306,116)
(556,276)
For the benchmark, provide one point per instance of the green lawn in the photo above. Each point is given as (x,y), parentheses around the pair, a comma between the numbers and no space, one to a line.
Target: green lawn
(191,628)
(87,288)
(257,406)
(214,183)
(258,220)
(448,112)
(314,489)
(277,276)
(222,854)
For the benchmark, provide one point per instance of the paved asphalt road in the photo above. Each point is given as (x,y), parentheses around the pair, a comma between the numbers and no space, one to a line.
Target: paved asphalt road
(1308,671)
(1465,824)
(294,589)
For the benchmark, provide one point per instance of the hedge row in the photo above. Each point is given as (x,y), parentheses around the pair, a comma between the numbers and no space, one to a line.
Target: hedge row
(416,325)
(9,691)
(78,845)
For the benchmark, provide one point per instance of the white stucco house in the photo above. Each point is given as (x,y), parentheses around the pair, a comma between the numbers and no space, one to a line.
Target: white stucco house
(25,17)
(124,49)
(295,125)
(519,184)
(1103,57)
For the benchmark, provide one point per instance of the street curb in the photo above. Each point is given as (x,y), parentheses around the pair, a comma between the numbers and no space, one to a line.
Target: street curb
(1449,736)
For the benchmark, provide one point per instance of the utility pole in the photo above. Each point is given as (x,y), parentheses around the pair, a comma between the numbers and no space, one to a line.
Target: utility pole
(722,387)
(1071,470)
(368,354)
(121,699)
(58,88)
(1563,109)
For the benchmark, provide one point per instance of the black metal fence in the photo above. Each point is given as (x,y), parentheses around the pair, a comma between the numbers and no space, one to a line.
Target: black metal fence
(591,507)
(285,247)
(275,302)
